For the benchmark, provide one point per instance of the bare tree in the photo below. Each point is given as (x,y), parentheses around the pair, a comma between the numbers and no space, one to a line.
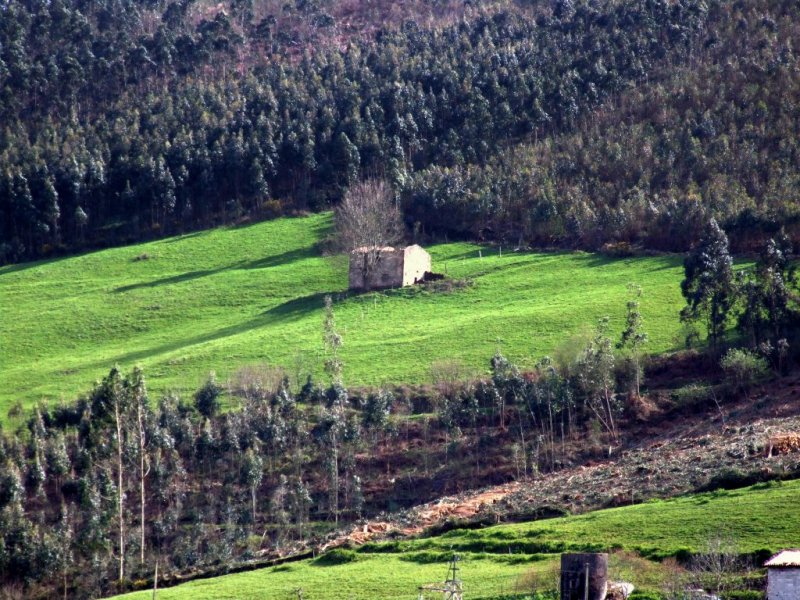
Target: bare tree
(368,219)
(717,563)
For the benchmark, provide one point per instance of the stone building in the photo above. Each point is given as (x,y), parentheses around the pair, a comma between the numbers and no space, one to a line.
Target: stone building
(377,268)
(783,576)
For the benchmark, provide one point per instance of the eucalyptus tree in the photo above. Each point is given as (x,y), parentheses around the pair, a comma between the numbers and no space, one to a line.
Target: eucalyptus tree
(709,285)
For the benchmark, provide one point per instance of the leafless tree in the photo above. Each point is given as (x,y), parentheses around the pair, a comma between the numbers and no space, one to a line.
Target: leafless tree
(368,219)
(713,567)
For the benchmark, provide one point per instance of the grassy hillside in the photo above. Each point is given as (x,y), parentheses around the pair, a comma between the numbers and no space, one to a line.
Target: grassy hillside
(227,297)
(496,557)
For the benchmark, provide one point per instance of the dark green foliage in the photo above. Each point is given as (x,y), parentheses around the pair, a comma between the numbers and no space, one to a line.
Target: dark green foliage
(769,314)
(743,595)
(709,286)
(642,595)
(734,479)
(125,123)
(206,399)
(337,556)
(210,482)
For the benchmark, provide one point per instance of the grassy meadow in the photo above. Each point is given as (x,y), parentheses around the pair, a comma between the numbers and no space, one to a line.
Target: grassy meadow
(220,299)
(500,560)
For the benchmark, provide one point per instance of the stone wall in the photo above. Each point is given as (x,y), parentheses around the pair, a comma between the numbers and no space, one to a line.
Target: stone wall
(784,584)
(390,268)
(385,272)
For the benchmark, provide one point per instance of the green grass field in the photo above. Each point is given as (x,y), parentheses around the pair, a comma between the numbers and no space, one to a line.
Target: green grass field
(220,299)
(760,517)
(498,559)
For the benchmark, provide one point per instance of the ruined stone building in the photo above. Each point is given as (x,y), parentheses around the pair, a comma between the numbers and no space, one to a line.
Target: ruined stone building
(783,576)
(387,267)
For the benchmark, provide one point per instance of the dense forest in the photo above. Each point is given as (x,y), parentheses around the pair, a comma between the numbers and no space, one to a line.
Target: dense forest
(565,123)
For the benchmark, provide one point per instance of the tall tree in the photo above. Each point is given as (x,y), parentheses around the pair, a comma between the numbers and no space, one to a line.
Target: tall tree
(595,375)
(109,404)
(709,286)
(633,336)
(135,387)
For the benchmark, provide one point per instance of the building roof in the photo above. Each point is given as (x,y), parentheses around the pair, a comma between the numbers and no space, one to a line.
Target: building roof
(784,559)
(362,249)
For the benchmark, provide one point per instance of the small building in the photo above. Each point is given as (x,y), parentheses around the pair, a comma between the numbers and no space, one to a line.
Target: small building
(783,576)
(584,576)
(373,268)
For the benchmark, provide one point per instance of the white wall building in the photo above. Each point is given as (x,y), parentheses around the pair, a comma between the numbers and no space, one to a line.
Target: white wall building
(783,572)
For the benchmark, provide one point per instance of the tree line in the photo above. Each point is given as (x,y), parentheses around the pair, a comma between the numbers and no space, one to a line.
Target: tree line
(712,136)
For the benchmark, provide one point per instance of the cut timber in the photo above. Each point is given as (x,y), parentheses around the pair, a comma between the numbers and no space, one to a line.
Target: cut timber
(783,443)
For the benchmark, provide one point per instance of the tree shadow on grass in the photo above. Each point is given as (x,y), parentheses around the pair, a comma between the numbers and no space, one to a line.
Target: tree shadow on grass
(24,266)
(180,278)
(288,311)
(279,259)
(263,263)
(297,308)
(181,237)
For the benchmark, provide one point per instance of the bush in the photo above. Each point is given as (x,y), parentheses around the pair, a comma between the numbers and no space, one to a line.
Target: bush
(337,556)
(617,249)
(743,595)
(734,479)
(272,208)
(692,394)
(643,595)
(206,399)
(744,367)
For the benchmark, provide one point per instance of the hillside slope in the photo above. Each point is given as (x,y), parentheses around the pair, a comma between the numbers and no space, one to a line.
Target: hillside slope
(684,452)
(497,557)
(219,299)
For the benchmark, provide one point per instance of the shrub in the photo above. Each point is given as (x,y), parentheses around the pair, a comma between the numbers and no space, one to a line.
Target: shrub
(272,208)
(743,595)
(692,394)
(733,479)
(427,557)
(744,367)
(617,249)
(337,556)
(206,399)
(645,595)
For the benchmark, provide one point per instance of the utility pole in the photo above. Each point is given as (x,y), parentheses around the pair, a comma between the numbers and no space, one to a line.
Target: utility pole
(453,587)
(453,584)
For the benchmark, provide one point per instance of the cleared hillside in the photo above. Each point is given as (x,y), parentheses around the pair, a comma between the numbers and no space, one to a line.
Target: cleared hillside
(756,518)
(220,299)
